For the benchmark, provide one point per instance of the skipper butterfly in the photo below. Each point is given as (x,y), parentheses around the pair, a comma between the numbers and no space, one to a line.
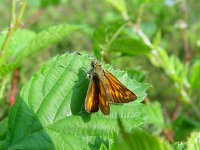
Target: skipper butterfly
(104,89)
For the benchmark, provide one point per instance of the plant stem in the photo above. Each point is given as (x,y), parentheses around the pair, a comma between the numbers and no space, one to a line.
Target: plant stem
(139,16)
(10,29)
(14,25)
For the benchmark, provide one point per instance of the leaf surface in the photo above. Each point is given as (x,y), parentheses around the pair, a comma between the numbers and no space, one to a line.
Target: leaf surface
(49,111)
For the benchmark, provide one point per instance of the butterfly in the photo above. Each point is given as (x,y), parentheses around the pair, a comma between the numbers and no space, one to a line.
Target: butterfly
(104,88)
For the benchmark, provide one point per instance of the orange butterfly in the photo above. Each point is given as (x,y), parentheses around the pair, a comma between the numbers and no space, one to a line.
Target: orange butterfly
(104,89)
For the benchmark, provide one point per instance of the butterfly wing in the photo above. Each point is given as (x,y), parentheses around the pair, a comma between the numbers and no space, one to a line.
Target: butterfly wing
(92,97)
(103,99)
(118,92)
(96,97)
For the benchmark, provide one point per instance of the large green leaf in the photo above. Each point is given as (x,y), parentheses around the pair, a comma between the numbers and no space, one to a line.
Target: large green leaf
(49,111)
(27,43)
(48,37)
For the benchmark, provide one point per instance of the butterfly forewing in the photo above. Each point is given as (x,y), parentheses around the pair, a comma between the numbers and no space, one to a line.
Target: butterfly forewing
(118,92)
(92,97)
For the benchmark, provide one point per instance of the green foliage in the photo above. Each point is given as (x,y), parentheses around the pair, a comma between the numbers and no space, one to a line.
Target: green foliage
(112,39)
(183,126)
(195,74)
(193,142)
(20,40)
(119,5)
(139,139)
(129,46)
(4,128)
(26,42)
(155,116)
(43,3)
(179,146)
(49,111)
(104,35)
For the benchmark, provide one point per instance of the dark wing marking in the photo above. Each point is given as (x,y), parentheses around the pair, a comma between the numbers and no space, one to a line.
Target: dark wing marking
(118,92)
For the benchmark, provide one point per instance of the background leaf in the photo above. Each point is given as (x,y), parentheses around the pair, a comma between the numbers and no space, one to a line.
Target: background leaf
(49,112)
(4,128)
(155,116)
(43,3)
(183,126)
(129,46)
(34,43)
(195,74)
(19,41)
(119,5)
(104,35)
(139,139)
(193,142)
(179,146)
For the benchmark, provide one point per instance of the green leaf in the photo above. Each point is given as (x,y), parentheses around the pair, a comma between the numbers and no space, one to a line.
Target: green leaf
(155,116)
(162,54)
(119,5)
(48,37)
(43,3)
(193,142)
(139,139)
(136,74)
(149,29)
(36,43)
(195,74)
(129,46)
(107,39)
(157,39)
(19,41)
(104,35)
(179,146)
(178,71)
(183,126)
(49,111)
(3,128)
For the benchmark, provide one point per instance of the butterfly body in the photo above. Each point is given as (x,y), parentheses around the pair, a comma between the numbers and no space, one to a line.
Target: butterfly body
(104,89)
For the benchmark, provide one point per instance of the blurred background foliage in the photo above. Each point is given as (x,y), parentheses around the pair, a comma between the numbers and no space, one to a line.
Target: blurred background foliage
(155,41)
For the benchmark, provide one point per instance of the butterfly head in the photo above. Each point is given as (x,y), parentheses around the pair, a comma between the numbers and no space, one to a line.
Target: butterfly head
(96,69)
(95,64)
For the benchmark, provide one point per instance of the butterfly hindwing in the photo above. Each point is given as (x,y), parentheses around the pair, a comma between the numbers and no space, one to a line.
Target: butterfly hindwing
(103,99)
(92,97)
(118,92)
